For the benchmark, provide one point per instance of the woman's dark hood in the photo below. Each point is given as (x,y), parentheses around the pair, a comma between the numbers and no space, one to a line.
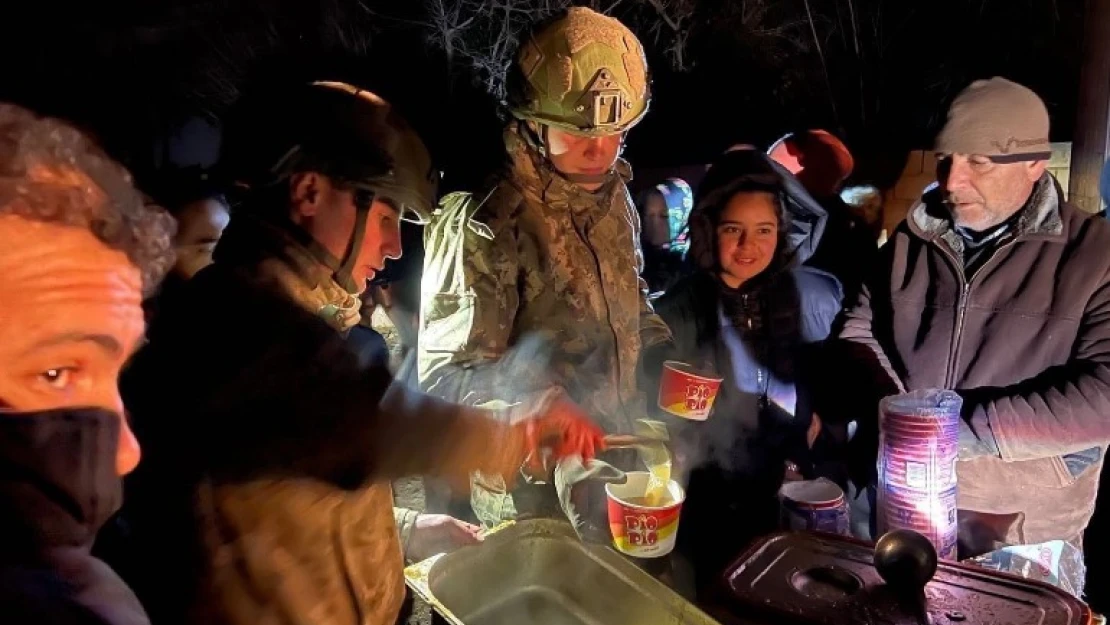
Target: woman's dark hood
(742,169)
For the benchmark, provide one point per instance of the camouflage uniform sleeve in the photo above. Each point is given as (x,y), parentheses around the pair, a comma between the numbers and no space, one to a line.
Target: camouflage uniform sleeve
(469,299)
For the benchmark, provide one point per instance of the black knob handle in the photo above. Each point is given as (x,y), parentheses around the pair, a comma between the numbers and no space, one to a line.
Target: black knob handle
(906,560)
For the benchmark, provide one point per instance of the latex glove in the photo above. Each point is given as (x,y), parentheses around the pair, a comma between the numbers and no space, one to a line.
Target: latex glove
(562,429)
(572,472)
(439,533)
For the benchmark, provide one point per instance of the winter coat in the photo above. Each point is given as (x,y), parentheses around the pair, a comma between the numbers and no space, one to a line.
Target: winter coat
(531,285)
(269,441)
(762,339)
(58,486)
(1025,340)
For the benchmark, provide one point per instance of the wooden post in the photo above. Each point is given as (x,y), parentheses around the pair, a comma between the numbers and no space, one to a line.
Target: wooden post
(1091,139)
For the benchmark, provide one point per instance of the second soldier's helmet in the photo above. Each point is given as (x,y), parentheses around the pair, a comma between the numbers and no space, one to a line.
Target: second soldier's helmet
(335,129)
(582,72)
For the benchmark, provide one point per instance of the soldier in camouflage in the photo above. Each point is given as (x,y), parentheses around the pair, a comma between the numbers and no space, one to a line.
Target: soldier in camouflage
(535,282)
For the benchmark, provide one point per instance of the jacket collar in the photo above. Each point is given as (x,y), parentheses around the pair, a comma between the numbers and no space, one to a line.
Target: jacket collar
(1040,218)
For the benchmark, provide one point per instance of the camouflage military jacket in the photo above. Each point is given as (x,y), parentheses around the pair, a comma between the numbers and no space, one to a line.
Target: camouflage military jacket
(533,284)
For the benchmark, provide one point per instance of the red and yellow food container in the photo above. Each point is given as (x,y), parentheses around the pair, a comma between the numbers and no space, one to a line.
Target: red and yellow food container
(687,393)
(640,530)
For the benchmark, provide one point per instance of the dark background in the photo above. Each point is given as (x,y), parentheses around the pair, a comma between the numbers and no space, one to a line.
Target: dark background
(133,71)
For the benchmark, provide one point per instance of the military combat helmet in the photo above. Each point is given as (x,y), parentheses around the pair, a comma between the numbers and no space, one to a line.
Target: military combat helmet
(582,72)
(336,129)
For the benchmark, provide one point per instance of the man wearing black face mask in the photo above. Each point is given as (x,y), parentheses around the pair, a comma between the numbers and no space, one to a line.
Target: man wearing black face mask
(79,250)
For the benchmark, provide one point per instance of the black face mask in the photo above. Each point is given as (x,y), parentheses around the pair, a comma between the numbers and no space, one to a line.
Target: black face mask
(58,481)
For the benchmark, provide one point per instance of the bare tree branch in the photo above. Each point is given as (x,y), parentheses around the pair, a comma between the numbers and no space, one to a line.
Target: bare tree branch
(676,16)
(821,56)
(482,35)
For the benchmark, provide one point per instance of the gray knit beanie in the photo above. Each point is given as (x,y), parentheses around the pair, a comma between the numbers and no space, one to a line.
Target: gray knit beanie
(997,118)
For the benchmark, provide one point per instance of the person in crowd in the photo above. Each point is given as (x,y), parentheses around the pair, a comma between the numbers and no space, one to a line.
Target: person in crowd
(752,314)
(664,239)
(79,250)
(822,162)
(534,282)
(995,287)
(866,204)
(195,199)
(271,502)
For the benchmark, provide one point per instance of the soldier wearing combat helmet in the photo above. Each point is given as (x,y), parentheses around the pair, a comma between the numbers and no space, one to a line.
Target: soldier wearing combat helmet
(549,253)
(274,439)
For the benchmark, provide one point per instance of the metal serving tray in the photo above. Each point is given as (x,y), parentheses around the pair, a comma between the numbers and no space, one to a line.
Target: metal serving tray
(538,572)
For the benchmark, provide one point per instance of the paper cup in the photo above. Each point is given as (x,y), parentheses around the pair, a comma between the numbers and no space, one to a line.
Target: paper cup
(638,530)
(814,506)
(686,393)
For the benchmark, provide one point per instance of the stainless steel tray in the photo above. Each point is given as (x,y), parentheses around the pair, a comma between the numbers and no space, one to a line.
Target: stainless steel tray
(538,572)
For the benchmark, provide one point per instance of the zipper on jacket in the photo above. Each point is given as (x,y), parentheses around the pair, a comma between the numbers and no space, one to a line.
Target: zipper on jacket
(762,377)
(954,348)
(962,304)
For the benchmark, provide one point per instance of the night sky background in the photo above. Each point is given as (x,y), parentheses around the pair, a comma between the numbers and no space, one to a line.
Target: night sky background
(878,72)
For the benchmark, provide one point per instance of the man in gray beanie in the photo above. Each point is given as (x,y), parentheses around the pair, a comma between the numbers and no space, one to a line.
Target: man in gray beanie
(998,289)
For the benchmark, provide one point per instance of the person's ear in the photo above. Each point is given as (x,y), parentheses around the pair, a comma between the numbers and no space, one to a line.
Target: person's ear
(1035,169)
(304,194)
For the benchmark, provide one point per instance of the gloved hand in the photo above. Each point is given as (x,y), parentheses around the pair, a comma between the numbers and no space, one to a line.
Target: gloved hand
(560,429)
(572,474)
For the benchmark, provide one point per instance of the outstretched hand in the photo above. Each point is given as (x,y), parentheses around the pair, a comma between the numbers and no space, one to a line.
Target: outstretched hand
(439,533)
(563,429)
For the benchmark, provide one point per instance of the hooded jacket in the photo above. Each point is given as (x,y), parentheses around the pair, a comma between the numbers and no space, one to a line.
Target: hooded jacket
(1025,340)
(759,338)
